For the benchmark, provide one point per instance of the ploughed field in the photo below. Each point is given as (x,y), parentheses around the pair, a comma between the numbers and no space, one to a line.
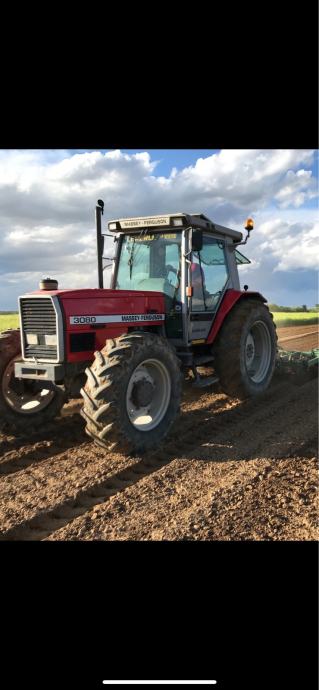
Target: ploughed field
(229,470)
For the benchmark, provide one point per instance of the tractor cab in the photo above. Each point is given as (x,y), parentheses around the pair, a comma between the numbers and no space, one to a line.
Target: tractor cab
(188,258)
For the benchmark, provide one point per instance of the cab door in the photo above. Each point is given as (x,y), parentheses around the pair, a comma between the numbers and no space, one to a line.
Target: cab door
(209,280)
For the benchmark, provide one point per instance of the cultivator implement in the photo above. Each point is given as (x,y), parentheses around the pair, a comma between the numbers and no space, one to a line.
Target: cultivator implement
(298,362)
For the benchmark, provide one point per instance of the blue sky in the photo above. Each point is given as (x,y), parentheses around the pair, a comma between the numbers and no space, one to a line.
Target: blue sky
(47,200)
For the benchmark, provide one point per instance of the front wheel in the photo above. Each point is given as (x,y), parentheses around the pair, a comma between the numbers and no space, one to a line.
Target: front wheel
(132,394)
(246,349)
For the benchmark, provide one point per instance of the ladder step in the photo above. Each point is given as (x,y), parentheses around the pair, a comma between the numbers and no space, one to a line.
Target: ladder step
(204,381)
(203,359)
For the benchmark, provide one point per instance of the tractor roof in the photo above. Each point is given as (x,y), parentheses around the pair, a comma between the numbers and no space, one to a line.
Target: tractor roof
(172,220)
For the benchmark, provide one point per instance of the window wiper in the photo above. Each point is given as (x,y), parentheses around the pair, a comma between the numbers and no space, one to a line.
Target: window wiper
(130,261)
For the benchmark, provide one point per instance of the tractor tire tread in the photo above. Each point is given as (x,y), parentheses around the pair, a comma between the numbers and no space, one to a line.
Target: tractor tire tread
(103,406)
(227,347)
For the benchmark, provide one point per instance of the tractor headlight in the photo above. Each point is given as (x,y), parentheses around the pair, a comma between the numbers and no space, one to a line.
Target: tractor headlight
(31,338)
(50,339)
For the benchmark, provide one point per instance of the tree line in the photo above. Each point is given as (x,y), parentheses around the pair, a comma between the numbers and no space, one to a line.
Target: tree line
(302,308)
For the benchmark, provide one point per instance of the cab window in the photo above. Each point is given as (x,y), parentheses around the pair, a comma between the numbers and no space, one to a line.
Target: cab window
(209,274)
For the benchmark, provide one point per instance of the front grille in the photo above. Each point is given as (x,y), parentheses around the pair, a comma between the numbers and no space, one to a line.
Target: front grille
(38,316)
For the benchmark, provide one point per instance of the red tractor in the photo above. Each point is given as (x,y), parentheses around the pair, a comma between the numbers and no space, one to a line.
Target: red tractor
(174,306)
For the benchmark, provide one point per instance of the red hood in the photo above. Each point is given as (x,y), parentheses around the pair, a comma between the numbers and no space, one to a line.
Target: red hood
(93,293)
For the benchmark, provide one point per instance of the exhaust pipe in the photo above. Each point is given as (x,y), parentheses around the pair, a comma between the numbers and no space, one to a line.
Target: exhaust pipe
(99,209)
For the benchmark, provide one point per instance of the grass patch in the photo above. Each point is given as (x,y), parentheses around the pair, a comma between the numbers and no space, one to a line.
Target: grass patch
(295,318)
(9,321)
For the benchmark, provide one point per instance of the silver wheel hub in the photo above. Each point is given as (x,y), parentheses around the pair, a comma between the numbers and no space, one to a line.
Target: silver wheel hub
(250,348)
(142,393)
(148,394)
(258,352)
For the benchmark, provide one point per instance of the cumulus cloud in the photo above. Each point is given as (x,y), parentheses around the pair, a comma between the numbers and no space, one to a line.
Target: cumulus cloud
(47,201)
(298,187)
(293,245)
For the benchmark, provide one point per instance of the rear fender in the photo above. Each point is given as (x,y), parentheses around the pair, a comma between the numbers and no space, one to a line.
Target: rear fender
(229,300)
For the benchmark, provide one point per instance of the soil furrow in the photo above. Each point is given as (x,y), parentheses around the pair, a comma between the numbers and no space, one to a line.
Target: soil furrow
(64,487)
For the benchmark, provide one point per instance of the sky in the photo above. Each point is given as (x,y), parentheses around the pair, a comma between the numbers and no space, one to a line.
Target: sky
(48,197)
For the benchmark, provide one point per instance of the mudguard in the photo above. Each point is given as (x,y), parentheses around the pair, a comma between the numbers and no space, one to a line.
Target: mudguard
(229,300)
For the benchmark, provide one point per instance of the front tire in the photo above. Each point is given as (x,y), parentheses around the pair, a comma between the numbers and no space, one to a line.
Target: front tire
(246,348)
(132,394)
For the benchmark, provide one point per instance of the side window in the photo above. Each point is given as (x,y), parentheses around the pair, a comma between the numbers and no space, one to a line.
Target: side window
(209,274)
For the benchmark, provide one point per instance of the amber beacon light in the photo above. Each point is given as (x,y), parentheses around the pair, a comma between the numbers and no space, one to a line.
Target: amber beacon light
(249,224)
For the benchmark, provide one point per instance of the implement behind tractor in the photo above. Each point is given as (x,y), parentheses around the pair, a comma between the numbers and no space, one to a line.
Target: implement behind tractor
(174,310)
(298,362)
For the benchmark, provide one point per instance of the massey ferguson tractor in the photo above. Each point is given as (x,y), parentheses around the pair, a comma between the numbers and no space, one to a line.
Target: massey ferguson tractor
(174,310)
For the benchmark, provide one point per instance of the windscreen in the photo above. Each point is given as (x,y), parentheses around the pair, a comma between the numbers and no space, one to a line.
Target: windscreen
(151,262)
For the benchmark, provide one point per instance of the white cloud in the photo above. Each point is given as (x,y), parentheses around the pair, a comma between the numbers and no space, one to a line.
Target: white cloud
(291,245)
(47,201)
(299,187)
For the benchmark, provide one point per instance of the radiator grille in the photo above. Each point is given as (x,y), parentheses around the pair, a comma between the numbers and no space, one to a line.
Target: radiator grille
(38,316)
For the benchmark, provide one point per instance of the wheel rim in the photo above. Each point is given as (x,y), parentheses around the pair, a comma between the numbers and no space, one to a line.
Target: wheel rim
(24,397)
(148,394)
(258,352)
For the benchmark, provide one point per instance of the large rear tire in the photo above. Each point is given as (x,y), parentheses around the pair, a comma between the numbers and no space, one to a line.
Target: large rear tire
(132,393)
(245,352)
(25,406)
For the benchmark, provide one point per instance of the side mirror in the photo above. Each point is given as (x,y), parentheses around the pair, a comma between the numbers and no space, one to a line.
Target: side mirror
(197,240)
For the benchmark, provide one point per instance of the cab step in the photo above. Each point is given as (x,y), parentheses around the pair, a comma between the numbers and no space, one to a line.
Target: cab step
(199,360)
(205,381)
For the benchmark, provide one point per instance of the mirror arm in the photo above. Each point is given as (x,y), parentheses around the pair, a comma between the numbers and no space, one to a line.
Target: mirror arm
(238,244)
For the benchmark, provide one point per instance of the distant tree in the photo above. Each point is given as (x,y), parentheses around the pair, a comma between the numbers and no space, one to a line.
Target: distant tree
(273,307)
(281,308)
(277,307)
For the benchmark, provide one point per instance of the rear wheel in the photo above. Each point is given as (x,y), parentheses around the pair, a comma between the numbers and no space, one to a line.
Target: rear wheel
(132,394)
(246,349)
(25,405)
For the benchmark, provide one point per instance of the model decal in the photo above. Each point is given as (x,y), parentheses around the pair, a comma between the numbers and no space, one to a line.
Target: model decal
(115,318)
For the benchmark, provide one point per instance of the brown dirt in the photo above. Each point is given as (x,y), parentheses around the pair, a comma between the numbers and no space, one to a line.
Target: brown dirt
(230,470)
(298,337)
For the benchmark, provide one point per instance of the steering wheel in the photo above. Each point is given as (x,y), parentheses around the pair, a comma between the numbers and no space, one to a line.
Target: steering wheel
(169,269)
